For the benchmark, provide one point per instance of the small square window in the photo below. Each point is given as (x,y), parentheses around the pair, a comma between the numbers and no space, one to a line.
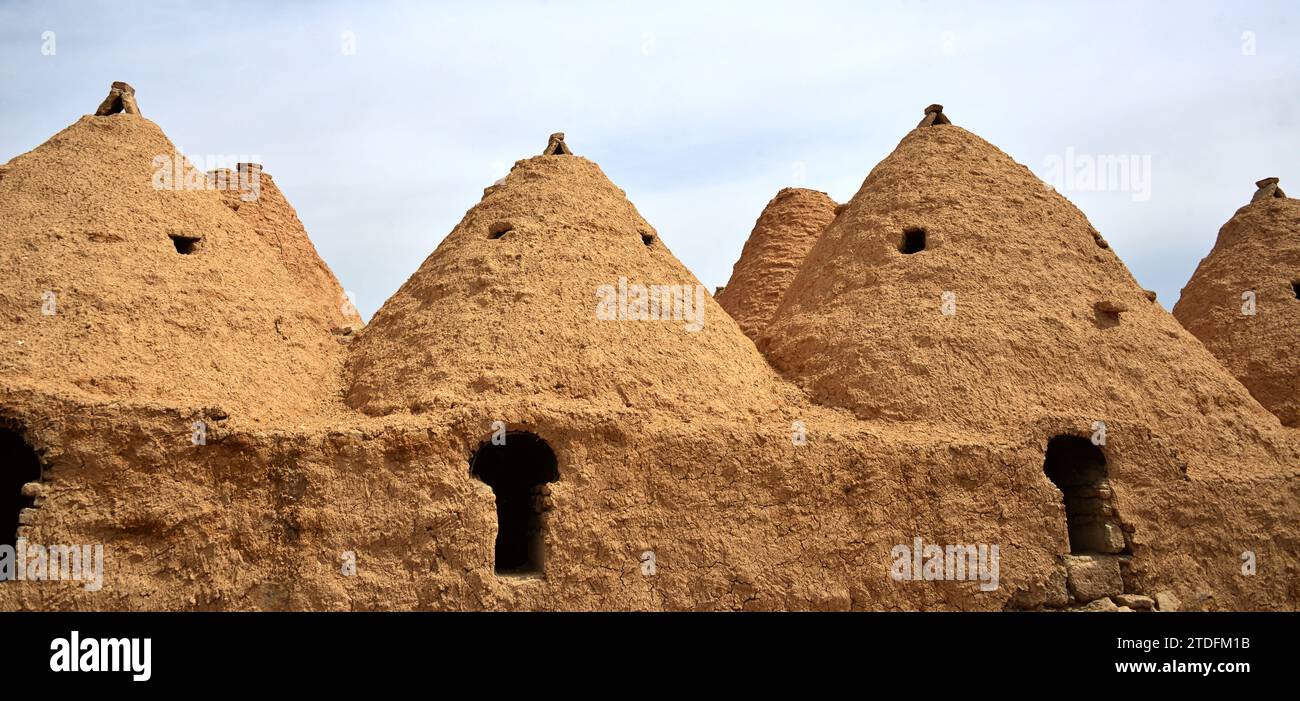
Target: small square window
(913,241)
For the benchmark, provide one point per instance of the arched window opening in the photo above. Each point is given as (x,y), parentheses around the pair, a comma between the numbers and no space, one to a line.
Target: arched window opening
(517,471)
(1078,469)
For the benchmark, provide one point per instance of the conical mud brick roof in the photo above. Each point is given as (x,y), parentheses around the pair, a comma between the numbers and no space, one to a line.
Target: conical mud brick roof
(127,277)
(261,204)
(1243,301)
(513,305)
(957,288)
(782,236)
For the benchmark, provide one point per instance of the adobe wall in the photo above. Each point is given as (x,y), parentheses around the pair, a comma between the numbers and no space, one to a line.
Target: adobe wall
(737,516)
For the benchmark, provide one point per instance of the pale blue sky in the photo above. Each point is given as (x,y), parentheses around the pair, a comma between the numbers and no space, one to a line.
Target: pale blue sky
(700,111)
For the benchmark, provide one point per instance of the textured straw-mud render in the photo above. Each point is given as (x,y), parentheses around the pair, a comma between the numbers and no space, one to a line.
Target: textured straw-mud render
(782,236)
(1258,251)
(862,326)
(515,316)
(667,440)
(229,327)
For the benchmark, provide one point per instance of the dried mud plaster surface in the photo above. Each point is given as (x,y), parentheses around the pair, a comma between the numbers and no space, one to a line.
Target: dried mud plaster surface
(237,325)
(1257,253)
(1029,340)
(667,440)
(782,237)
(506,307)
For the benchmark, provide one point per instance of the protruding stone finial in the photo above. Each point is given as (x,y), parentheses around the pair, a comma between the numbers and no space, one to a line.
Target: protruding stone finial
(933,117)
(1267,189)
(556,146)
(121,98)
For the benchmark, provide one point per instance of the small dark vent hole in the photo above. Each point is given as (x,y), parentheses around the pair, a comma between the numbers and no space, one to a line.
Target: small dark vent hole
(499,229)
(185,245)
(647,239)
(913,241)
(1295,287)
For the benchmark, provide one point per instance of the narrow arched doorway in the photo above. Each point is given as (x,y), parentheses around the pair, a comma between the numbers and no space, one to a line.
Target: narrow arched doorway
(19,465)
(1078,468)
(516,471)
